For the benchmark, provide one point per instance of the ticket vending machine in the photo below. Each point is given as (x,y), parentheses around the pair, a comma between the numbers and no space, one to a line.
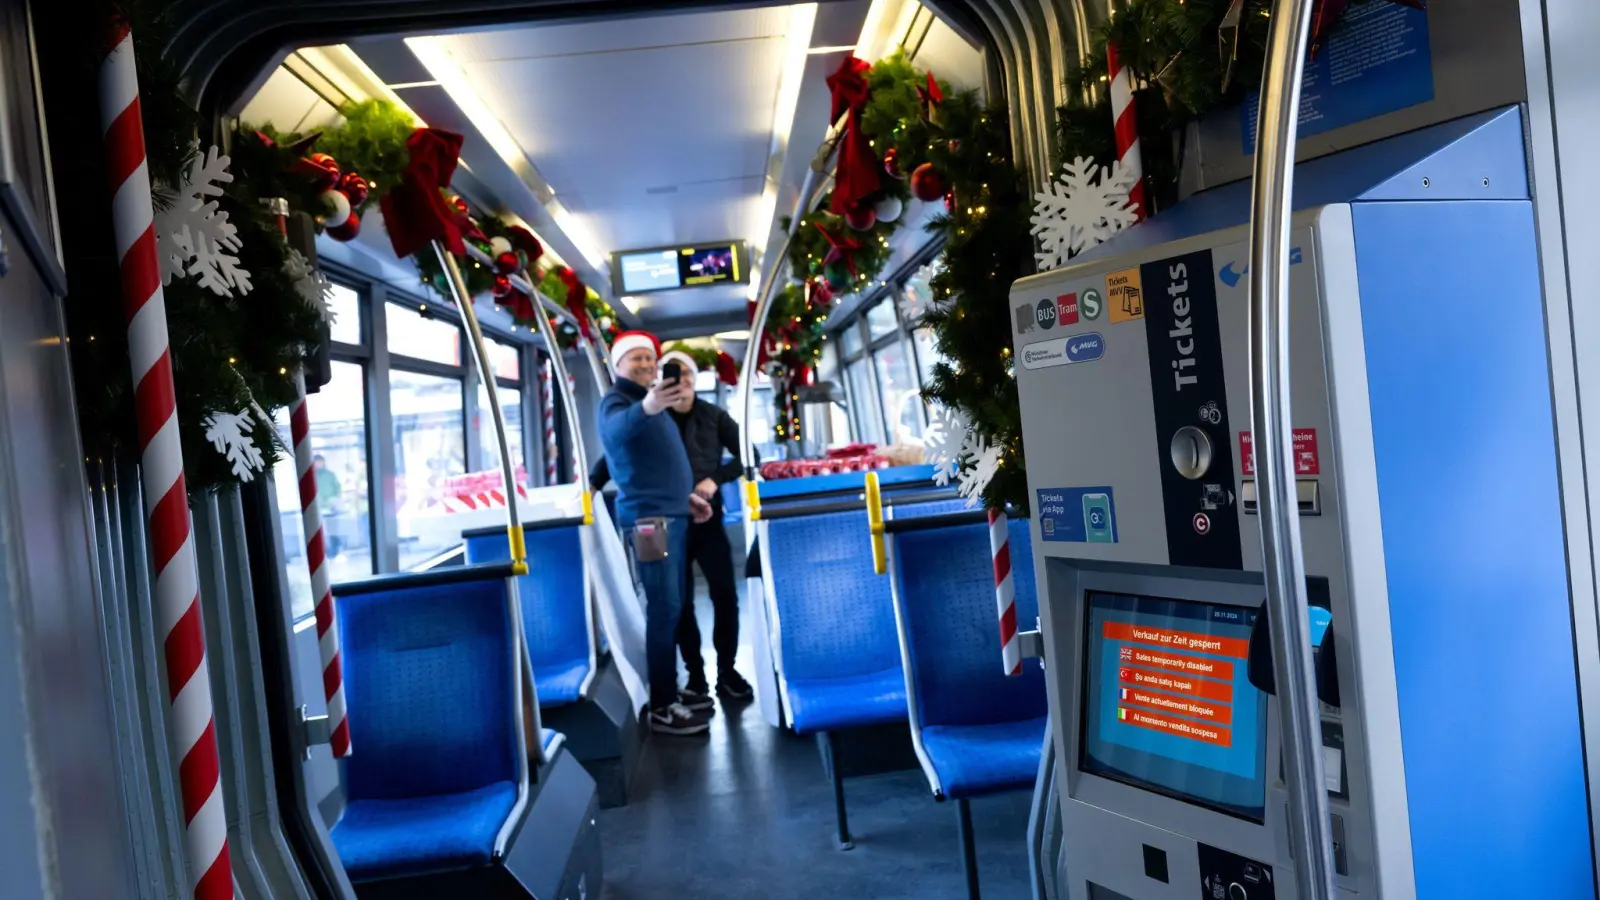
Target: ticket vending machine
(1431,521)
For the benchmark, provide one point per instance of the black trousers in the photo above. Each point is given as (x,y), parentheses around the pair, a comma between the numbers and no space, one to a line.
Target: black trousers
(708,546)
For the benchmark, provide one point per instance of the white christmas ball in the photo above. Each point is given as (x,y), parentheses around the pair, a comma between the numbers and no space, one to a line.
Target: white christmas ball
(498,246)
(338,206)
(888,209)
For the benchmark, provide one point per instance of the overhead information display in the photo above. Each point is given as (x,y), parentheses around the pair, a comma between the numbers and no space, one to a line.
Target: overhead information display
(1168,701)
(643,271)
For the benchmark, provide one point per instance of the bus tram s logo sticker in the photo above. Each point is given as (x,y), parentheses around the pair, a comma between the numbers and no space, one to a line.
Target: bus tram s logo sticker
(1047,314)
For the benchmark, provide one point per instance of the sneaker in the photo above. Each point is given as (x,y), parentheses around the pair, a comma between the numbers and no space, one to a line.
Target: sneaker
(676,719)
(732,686)
(695,701)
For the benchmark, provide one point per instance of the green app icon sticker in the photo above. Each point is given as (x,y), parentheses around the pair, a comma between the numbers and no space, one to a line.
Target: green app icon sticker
(1089,303)
(1097,519)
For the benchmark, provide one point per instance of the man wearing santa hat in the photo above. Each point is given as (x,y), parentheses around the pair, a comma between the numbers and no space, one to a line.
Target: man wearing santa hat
(655,504)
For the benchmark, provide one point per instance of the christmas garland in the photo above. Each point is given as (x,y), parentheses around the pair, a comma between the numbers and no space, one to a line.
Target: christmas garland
(241,310)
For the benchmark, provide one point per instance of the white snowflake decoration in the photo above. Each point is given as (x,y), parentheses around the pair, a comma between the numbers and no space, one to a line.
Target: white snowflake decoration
(917,297)
(942,443)
(982,462)
(1085,207)
(230,434)
(310,283)
(194,236)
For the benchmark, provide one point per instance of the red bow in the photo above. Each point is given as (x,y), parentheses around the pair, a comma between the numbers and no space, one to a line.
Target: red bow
(523,239)
(844,246)
(856,177)
(727,369)
(577,300)
(930,96)
(520,306)
(414,212)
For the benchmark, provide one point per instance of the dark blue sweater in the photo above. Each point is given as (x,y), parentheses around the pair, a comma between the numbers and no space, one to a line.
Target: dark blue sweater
(646,456)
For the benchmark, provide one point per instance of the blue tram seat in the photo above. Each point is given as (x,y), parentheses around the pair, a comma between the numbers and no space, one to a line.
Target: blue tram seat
(439,776)
(838,655)
(441,800)
(977,731)
(838,658)
(557,620)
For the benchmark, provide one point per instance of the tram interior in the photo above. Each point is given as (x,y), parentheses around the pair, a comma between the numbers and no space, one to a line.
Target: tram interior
(418,648)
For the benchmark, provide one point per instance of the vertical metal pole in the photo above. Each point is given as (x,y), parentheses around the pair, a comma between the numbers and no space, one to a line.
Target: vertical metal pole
(458,287)
(1271,205)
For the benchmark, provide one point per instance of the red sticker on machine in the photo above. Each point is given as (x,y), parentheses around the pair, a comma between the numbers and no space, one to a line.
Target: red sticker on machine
(1306,459)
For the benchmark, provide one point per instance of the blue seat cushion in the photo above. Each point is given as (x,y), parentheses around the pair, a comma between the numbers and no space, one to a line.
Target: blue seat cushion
(558,683)
(827,704)
(380,838)
(973,760)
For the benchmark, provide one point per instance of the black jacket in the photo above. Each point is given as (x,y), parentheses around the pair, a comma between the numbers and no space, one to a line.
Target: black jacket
(707,430)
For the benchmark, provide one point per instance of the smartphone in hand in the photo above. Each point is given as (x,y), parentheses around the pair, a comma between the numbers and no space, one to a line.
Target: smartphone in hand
(672,372)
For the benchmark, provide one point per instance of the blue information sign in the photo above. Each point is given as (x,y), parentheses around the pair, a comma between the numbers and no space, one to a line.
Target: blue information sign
(1376,61)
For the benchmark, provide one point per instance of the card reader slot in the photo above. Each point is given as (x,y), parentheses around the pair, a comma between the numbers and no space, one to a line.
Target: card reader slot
(1307,491)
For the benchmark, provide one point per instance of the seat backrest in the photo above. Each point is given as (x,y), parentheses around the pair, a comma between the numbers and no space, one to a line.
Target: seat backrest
(946,584)
(555,614)
(835,616)
(428,680)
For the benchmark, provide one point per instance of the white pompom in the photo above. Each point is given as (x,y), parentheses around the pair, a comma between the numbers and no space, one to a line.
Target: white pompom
(338,206)
(498,246)
(888,209)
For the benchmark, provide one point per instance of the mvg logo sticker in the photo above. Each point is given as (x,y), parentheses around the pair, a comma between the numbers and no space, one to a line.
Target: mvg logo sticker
(1064,351)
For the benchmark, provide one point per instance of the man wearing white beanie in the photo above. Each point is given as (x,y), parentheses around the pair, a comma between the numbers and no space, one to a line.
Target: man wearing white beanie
(708,433)
(655,501)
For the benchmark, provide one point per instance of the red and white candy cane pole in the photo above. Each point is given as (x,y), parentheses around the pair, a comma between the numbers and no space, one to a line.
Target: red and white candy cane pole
(191,727)
(317,562)
(1125,116)
(551,452)
(1005,593)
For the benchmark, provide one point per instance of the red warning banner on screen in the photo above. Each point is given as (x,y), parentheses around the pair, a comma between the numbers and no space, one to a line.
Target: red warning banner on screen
(1198,731)
(1177,662)
(1235,648)
(1220,713)
(1177,684)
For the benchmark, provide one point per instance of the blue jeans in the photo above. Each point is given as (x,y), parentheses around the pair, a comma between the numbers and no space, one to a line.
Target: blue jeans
(662,582)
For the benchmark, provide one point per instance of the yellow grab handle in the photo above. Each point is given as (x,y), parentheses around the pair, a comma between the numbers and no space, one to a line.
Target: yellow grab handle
(752,499)
(588,507)
(880,559)
(519,549)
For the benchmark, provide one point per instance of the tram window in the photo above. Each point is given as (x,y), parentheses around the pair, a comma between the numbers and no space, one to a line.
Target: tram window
(429,449)
(511,408)
(881,320)
(927,353)
(864,400)
(345,305)
(421,337)
(338,435)
(506,360)
(902,400)
(706,382)
(850,339)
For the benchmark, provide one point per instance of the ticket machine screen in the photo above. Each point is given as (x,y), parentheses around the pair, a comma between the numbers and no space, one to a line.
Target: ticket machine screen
(1168,705)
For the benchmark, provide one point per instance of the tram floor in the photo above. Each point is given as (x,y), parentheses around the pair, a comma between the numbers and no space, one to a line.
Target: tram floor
(746,813)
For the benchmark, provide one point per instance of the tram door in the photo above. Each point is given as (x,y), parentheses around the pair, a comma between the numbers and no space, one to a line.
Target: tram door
(63,831)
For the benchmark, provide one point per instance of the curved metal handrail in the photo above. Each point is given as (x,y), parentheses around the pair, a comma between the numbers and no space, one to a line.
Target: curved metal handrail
(1272,203)
(480,356)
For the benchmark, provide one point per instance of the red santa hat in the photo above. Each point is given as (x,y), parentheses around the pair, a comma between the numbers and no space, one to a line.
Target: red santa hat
(627,342)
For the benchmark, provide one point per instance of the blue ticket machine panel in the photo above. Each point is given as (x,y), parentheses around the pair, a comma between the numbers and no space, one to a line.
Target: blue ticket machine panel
(1453,757)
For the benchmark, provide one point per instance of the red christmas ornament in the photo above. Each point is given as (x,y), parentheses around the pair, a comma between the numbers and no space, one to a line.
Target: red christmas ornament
(953,145)
(950,200)
(891,164)
(506,263)
(322,169)
(355,187)
(502,287)
(927,183)
(348,230)
(460,205)
(862,218)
